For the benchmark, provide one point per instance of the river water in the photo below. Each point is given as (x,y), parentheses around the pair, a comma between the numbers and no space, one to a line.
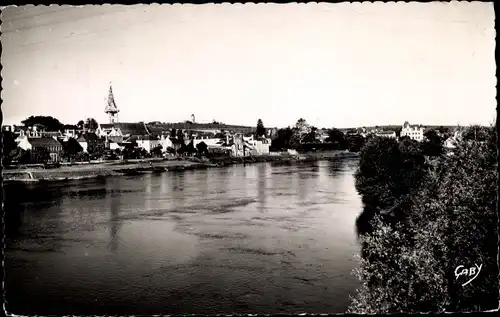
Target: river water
(261,238)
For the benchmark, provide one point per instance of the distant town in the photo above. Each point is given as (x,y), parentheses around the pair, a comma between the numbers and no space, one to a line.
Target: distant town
(42,139)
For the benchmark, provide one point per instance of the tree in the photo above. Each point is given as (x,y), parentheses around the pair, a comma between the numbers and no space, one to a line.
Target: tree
(47,122)
(301,129)
(336,137)
(310,137)
(433,144)
(389,170)
(9,144)
(91,124)
(189,148)
(202,147)
(173,134)
(283,139)
(96,149)
(180,135)
(19,155)
(80,124)
(475,133)
(157,150)
(40,155)
(71,148)
(355,142)
(261,131)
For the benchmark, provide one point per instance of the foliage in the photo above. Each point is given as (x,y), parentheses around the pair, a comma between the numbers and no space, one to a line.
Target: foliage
(260,128)
(311,136)
(170,150)
(433,144)
(450,220)
(283,139)
(91,124)
(355,142)
(301,129)
(187,148)
(96,149)
(202,147)
(9,145)
(337,137)
(80,124)
(388,170)
(476,133)
(47,122)
(71,148)
(40,155)
(20,156)
(173,133)
(157,150)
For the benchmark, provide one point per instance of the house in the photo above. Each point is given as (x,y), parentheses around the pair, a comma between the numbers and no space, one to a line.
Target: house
(120,132)
(450,143)
(147,142)
(245,146)
(386,134)
(166,142)
(53,146)
(85,138)
(71,131)
(415,132)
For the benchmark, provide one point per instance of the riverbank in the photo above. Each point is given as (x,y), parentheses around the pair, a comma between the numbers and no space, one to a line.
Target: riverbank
(83,171)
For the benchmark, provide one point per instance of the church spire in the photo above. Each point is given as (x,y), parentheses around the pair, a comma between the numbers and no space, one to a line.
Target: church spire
(111,108)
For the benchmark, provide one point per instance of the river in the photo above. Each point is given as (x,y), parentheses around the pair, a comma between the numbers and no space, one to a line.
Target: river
(262,238)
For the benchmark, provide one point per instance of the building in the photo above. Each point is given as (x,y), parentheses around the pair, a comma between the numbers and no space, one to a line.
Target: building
(147,142)
(53,146)
(85,138)
(386,134)
(247,146)
(111,109)
(415,132)
(121,132)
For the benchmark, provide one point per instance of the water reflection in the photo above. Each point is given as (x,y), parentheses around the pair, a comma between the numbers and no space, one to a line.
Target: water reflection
(262,185)
(114,222)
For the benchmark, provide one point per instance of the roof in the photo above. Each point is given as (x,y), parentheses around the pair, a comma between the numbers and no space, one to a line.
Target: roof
(136,128)
(44,142)
(156,128)
(386,132)
(70,126)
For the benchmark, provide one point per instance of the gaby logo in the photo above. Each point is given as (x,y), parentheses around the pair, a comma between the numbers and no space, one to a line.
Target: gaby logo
(471,272)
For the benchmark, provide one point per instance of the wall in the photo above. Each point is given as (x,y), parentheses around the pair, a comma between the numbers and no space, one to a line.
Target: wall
(84,146)
(24,144)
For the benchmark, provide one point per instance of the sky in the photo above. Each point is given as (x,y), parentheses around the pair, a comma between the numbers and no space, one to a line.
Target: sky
(335,65)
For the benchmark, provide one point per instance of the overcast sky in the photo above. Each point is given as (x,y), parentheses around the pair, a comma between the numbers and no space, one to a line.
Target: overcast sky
(335,65)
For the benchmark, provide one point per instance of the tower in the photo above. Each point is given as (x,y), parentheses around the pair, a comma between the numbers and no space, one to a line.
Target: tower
(192,118)
(111,110)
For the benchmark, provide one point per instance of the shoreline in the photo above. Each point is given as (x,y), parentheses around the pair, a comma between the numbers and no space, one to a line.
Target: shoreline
(147,166)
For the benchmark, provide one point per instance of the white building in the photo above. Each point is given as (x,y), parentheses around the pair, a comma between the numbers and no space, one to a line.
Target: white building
(386,134)
(415,132)
(148,143)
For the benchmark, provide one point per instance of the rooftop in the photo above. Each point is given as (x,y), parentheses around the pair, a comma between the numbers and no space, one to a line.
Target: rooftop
(44,142)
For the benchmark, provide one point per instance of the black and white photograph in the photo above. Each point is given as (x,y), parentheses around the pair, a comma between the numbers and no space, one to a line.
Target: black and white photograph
(249,158)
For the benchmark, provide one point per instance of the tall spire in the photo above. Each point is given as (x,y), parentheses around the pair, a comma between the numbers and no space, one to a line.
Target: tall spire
(111,108)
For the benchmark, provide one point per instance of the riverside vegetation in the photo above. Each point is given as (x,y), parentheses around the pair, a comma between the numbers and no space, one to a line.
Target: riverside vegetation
(427,212)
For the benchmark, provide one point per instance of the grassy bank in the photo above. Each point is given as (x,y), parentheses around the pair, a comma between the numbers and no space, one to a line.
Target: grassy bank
(81,171)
